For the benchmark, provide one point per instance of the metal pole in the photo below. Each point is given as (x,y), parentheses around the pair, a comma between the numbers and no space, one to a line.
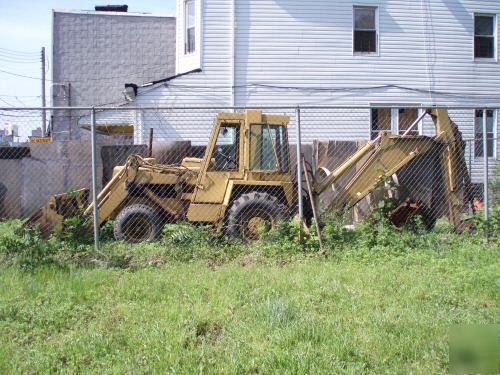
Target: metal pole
(150,143)
(299,172)
(470,144)
(94,180)
(44,111)
(485,175)
(313,206)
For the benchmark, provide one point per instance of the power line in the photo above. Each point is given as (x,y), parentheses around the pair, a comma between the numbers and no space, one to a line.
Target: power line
(21,75)
(307,89)
(19,61)
(13,56)
(7,103)
(19,96)
(129,75)
(18,52)
(20,116)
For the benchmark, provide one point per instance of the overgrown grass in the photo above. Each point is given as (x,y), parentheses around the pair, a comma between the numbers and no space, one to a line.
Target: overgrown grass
(377,301)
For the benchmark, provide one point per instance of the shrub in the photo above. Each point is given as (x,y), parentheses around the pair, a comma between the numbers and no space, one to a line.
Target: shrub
(28,248)
(75,232)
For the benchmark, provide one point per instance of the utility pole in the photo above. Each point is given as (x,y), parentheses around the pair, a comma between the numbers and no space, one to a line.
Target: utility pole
(44,113)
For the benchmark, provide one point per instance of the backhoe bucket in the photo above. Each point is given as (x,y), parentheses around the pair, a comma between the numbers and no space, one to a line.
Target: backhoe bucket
(59,207)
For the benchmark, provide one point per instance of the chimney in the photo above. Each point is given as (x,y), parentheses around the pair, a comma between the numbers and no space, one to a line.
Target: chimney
(111,8)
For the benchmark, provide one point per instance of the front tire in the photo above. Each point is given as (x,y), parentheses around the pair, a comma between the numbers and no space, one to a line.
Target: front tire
(250,212)
(138,223)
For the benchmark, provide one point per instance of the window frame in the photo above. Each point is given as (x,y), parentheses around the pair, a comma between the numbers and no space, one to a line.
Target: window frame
(236,144)
(372,131)
(394,118)
(282,154)
(377,30)
(186,29)
(495,36)
(400,131)
(494,134)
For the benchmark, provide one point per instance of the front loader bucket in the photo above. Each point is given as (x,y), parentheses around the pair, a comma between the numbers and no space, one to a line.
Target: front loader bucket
(59,207)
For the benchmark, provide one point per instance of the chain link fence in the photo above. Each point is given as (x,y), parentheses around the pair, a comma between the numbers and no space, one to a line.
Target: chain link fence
(238,170)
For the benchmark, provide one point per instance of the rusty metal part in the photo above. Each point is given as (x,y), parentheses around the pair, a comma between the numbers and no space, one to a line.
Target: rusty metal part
(59,207)
(405,212)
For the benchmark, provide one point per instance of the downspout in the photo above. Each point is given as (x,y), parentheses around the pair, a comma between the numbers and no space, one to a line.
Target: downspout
(233,52)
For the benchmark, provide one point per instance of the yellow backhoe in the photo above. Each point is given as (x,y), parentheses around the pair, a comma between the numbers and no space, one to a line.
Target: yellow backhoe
(245,181)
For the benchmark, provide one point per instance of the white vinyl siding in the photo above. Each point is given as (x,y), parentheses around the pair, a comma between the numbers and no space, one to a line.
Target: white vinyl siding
(290,52)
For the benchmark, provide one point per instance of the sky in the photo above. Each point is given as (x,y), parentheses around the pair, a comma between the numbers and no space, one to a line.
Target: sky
(25,27)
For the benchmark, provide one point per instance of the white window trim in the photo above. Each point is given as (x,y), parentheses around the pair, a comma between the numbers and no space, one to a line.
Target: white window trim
(395,117)
(377,30)
(186,53)
(495,38)
(495,134)
(186,62)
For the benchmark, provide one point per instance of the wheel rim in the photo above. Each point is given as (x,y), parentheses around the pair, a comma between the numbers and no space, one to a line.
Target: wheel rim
(253,221)
(137,228)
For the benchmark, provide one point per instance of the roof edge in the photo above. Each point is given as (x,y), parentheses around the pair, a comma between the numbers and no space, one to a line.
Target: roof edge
(197,70)
(103,13)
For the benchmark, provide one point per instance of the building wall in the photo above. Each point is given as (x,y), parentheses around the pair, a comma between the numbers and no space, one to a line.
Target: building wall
(98,52)
(423,46)
(300,53)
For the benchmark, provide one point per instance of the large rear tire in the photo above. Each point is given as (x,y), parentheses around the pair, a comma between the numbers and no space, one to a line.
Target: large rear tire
(250,212)
(138,223)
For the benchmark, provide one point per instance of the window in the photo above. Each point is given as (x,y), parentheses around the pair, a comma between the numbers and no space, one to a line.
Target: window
(484,36)
(393,120)
(407,116)
(478,133)
(189,25)
(226,150)
(381,121)
(365,29)
(268,148)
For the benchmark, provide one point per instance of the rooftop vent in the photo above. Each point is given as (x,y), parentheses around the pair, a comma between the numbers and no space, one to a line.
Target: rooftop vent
(111,8)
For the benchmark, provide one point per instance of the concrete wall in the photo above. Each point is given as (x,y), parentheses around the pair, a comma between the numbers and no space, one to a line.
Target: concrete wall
(52,168)
(95,53)
(11,186)
(59,167)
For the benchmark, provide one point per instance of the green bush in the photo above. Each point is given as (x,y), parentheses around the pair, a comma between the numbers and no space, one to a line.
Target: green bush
(373,238)
(492,225)
(75,232)
(28,248)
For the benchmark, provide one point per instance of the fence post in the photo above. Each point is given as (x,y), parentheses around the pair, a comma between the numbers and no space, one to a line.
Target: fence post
(299,171)
(485,176)
(94,180)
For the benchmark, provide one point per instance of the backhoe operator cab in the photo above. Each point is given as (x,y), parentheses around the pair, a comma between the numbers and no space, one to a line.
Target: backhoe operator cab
(244,179)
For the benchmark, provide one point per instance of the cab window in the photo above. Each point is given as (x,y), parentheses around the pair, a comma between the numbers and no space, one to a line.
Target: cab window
(226,151)
(268,148)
